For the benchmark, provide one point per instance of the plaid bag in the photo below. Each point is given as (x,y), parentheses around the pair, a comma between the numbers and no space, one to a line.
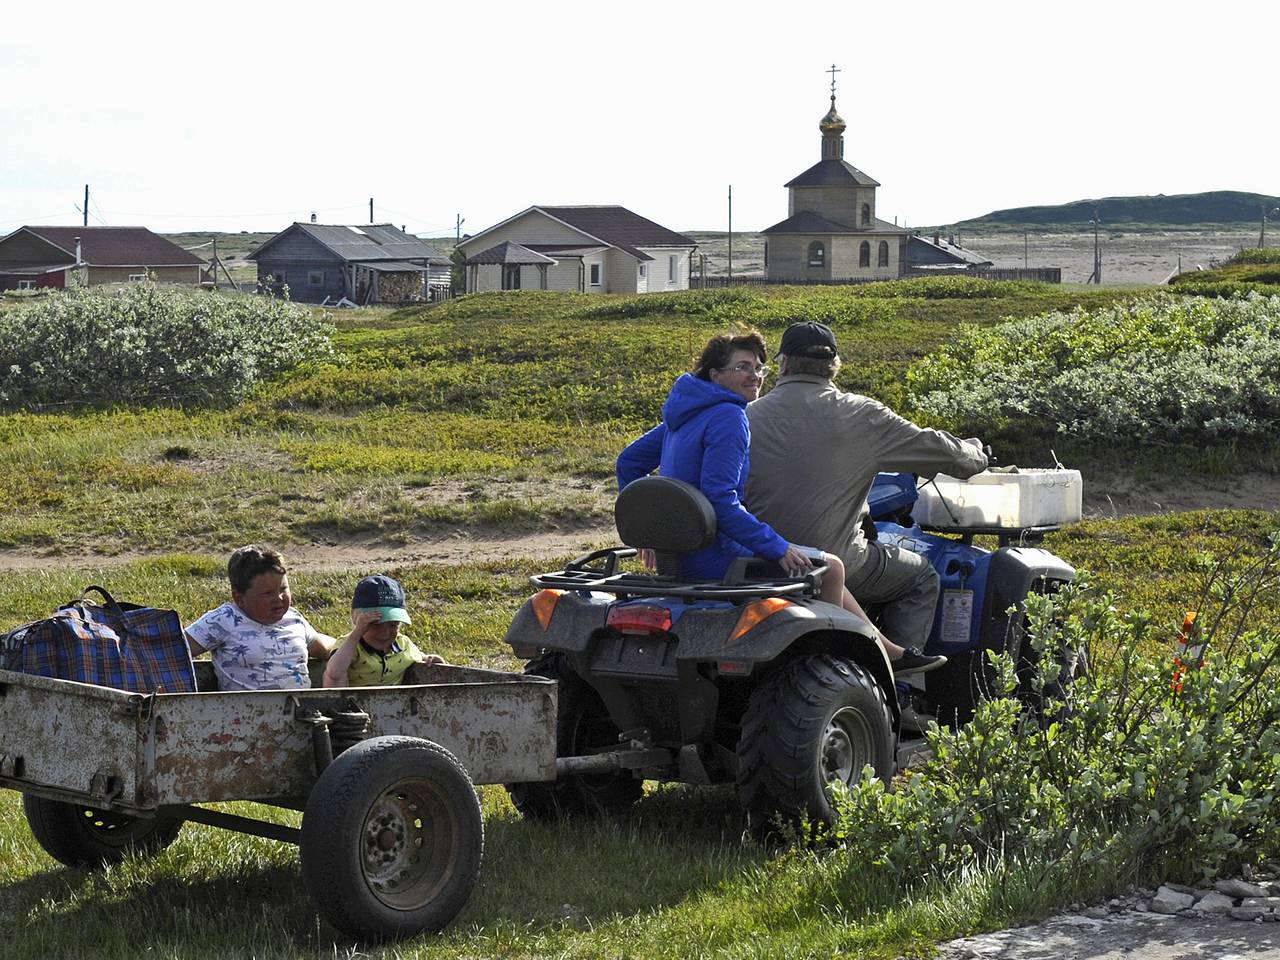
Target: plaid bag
(122,645)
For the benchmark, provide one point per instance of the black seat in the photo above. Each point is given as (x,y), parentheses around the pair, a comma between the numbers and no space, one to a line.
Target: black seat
(665,515)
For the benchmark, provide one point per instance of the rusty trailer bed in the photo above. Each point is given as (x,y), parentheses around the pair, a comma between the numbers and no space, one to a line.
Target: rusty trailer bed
(135,753)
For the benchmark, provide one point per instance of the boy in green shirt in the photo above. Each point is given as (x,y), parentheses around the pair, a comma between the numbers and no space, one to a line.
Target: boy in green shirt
(374,653)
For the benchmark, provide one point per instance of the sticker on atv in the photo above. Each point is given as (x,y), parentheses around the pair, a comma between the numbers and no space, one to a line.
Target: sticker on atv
(957,616)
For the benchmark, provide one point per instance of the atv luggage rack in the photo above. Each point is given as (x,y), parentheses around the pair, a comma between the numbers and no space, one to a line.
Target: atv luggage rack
(1018,536)
(599,571)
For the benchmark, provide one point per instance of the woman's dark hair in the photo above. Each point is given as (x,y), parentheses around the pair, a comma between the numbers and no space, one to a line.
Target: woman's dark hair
(247,562)
(718,349)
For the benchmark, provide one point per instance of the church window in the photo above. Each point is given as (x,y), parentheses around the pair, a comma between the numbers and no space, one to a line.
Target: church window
(864,254)
(882,257)
(673,268)
(866,214)
(817,254)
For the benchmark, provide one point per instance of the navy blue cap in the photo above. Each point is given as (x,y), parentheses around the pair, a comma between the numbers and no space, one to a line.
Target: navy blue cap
(383,594)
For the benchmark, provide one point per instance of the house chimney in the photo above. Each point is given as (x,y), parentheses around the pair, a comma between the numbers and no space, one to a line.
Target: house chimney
(313,216)
(79,260)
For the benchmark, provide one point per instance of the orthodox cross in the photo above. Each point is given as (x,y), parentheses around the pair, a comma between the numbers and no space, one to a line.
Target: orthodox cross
(833,71)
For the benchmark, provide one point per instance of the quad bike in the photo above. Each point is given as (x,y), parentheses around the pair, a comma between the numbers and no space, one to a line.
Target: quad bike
(751,679)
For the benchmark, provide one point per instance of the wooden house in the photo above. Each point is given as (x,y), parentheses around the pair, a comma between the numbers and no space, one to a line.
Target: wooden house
(373,263)
(590,249)
(33,257)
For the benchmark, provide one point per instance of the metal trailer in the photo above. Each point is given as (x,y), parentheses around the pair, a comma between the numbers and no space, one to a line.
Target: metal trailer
(391,837)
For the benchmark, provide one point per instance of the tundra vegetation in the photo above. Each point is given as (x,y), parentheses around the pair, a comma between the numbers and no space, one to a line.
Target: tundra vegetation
(414,424)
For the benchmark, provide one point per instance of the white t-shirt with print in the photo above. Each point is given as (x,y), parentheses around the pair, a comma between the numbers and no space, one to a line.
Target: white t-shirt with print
(248,655)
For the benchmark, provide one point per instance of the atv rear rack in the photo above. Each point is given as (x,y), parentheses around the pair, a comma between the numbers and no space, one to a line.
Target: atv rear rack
(599,571)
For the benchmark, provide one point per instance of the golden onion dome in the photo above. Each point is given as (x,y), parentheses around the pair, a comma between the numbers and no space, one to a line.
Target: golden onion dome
(832,125)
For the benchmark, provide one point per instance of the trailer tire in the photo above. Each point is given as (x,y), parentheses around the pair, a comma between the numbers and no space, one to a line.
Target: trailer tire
(818,720)
(86,837)
(392,839)
(582,725)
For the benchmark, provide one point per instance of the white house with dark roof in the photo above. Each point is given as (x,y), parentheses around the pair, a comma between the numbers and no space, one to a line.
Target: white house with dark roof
(591,249)
(831,231)
(369,263)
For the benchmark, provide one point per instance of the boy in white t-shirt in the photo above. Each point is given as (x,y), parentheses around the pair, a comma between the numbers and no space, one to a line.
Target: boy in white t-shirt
(258,640)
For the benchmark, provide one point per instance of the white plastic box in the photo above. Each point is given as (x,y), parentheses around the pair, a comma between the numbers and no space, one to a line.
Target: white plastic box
(1029,498)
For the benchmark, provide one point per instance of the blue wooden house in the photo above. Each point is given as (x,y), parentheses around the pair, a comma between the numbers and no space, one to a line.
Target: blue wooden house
(370,263)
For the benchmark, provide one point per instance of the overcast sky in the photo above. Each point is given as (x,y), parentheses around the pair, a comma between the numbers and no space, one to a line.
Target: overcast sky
(242,116)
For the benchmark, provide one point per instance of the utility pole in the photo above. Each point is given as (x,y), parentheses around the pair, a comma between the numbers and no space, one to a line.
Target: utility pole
(1024,249)
(371,209)
(1097,251)
(457,229)
(86,204)
(215,263)
(731,232)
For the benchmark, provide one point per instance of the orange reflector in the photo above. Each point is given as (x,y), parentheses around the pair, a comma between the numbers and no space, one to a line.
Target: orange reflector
(544,605)
(756,611)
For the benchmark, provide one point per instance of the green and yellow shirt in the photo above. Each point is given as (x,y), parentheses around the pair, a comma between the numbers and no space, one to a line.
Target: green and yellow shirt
(369,668)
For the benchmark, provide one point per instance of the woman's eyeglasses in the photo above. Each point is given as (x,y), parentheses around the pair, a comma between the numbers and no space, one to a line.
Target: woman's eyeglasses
(744,368)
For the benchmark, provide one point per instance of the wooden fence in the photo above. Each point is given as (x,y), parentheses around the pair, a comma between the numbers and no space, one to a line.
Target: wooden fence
(1041,274)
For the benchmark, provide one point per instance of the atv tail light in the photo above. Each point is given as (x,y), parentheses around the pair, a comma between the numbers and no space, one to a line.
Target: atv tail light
(756,611)
(544,605)
(639,618)
(734,668)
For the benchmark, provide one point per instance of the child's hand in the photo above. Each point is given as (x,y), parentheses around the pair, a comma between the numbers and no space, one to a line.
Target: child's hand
(364,620)
(434,658)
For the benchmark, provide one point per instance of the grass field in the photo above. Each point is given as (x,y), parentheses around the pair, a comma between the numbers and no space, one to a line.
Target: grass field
(499,413)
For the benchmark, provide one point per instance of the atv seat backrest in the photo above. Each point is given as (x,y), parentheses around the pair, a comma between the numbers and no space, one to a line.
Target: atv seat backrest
(665,515)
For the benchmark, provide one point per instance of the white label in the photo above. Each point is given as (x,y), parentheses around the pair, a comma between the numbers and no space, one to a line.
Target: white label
(957,615)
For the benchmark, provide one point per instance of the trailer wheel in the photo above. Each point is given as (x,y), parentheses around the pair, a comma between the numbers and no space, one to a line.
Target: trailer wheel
(392,839)
(818,721)
(582,726)
(86,837)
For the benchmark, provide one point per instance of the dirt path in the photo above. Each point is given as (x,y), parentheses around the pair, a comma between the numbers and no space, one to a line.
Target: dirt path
(1105,496)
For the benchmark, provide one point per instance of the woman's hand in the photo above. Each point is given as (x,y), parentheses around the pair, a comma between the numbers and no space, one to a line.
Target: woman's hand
(795,563)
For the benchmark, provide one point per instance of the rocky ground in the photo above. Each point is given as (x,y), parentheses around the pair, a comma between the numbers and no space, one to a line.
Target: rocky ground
(1233,919)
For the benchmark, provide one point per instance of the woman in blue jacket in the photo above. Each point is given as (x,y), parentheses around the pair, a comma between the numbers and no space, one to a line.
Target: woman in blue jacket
(704,440)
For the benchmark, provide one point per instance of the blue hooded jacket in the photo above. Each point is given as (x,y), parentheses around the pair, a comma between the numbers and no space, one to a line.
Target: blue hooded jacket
(703,440)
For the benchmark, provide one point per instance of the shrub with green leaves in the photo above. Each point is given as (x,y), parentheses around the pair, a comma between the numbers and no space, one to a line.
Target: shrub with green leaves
(151,345)
(1163,369)
(1146,770)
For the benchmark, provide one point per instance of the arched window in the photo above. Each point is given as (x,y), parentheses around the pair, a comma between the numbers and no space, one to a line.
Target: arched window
(882,257)
(864,254)
(866,214)
(817,254)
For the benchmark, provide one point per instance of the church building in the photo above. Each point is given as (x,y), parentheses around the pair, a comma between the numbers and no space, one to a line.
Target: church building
(831,232)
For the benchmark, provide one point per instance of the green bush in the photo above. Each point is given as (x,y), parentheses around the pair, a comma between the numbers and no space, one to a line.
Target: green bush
(1142,772)
(1257,255)
(146,344)
(1159,370)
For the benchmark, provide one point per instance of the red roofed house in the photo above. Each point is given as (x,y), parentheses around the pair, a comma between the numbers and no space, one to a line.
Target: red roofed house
(61,256)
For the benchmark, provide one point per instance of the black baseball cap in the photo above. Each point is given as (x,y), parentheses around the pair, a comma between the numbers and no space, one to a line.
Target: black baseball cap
(809,339)
(383,594)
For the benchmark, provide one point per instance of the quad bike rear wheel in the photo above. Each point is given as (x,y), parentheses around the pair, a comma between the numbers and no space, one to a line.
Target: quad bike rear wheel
(583,727)
(819,721)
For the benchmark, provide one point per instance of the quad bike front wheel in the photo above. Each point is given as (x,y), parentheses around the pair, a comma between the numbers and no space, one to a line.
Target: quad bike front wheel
(819,721)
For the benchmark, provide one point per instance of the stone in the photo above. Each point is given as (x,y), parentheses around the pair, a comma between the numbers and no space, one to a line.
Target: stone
(1179,887)
(1270,903)
(1240,888)
(1170,901)
(1142,907)
(1214,902)
(1248,913)
(1097,913)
